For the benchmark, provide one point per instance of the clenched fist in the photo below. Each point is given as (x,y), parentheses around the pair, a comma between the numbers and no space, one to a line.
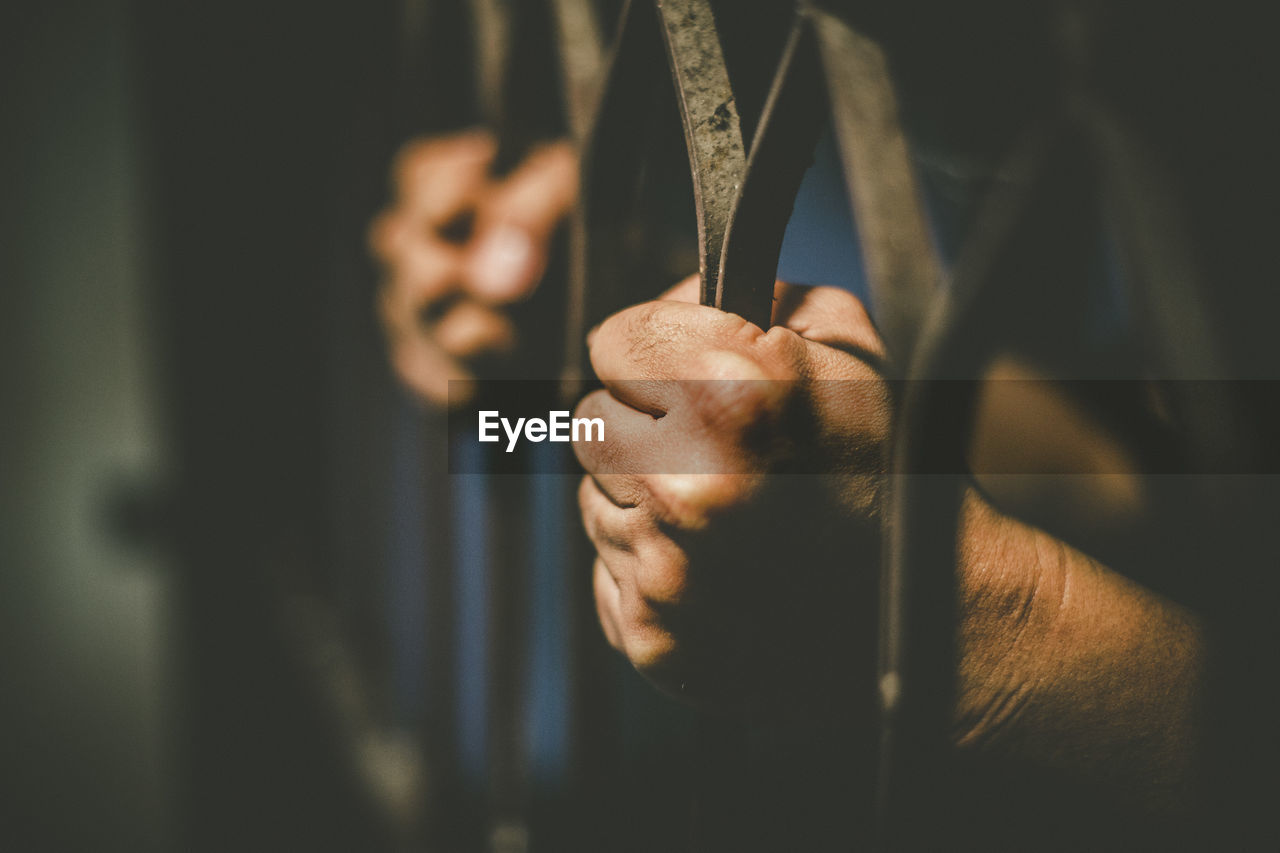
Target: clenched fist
(733,502)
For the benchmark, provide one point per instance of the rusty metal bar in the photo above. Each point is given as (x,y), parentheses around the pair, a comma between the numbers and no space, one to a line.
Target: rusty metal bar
(713,132)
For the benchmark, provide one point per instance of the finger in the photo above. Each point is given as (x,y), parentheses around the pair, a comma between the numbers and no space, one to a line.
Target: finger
(639,352)
(686,290)
(629,624)
(423,272)
(612,529)
(627,447)
(426,370)
(427,152)
(641,558)
(438,179)
(608,604)
(827,315)
(469,329)
(515,221)
(538,194)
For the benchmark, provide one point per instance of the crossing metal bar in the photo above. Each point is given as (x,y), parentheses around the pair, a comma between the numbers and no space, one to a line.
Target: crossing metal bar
(918,593)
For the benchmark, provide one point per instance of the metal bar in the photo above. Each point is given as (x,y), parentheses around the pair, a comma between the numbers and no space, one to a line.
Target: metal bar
(901,261)
(713,134)
(585,63)
(491,23)
(792,120)
(1157,247)
(504,33)
(599,278)
(581,54)
(1016,251)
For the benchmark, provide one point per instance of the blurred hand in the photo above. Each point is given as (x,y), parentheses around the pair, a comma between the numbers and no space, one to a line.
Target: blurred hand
(458,245)
(725,576)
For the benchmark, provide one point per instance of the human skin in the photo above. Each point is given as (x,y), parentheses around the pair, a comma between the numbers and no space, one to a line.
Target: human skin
(458,246)
(747,585)
(731,582)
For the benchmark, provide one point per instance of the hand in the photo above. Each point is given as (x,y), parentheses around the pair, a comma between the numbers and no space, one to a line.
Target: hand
(728,578)
(732,504)
(457,246)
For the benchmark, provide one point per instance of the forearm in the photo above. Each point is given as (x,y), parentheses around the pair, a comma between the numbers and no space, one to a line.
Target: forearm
(1069,666)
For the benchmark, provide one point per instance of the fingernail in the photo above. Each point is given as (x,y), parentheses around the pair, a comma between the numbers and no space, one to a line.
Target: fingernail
(502,265)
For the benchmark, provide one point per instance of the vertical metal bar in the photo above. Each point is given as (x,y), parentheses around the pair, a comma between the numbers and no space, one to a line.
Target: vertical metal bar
(1157,248)
(790,124)
(498,37)
(581,54)
(1020,244)
(599,277)
(491,22)
(902,264)
(508,782)
(713,134)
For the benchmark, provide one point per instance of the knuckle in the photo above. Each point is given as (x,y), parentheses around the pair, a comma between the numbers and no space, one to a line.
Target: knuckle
(605,593)
(690,501)
(586,495)
(662,582)
(587,506)
(609,527)
(667,328)
(652,324)
(845,301)
(726,364)
(781,349)
(738,398)
(592,405)
(647,646)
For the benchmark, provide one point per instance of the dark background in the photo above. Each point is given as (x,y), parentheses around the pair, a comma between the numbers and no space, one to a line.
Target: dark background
(184,302)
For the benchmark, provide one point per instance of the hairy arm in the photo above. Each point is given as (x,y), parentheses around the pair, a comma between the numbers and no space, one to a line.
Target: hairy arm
(1071,666)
